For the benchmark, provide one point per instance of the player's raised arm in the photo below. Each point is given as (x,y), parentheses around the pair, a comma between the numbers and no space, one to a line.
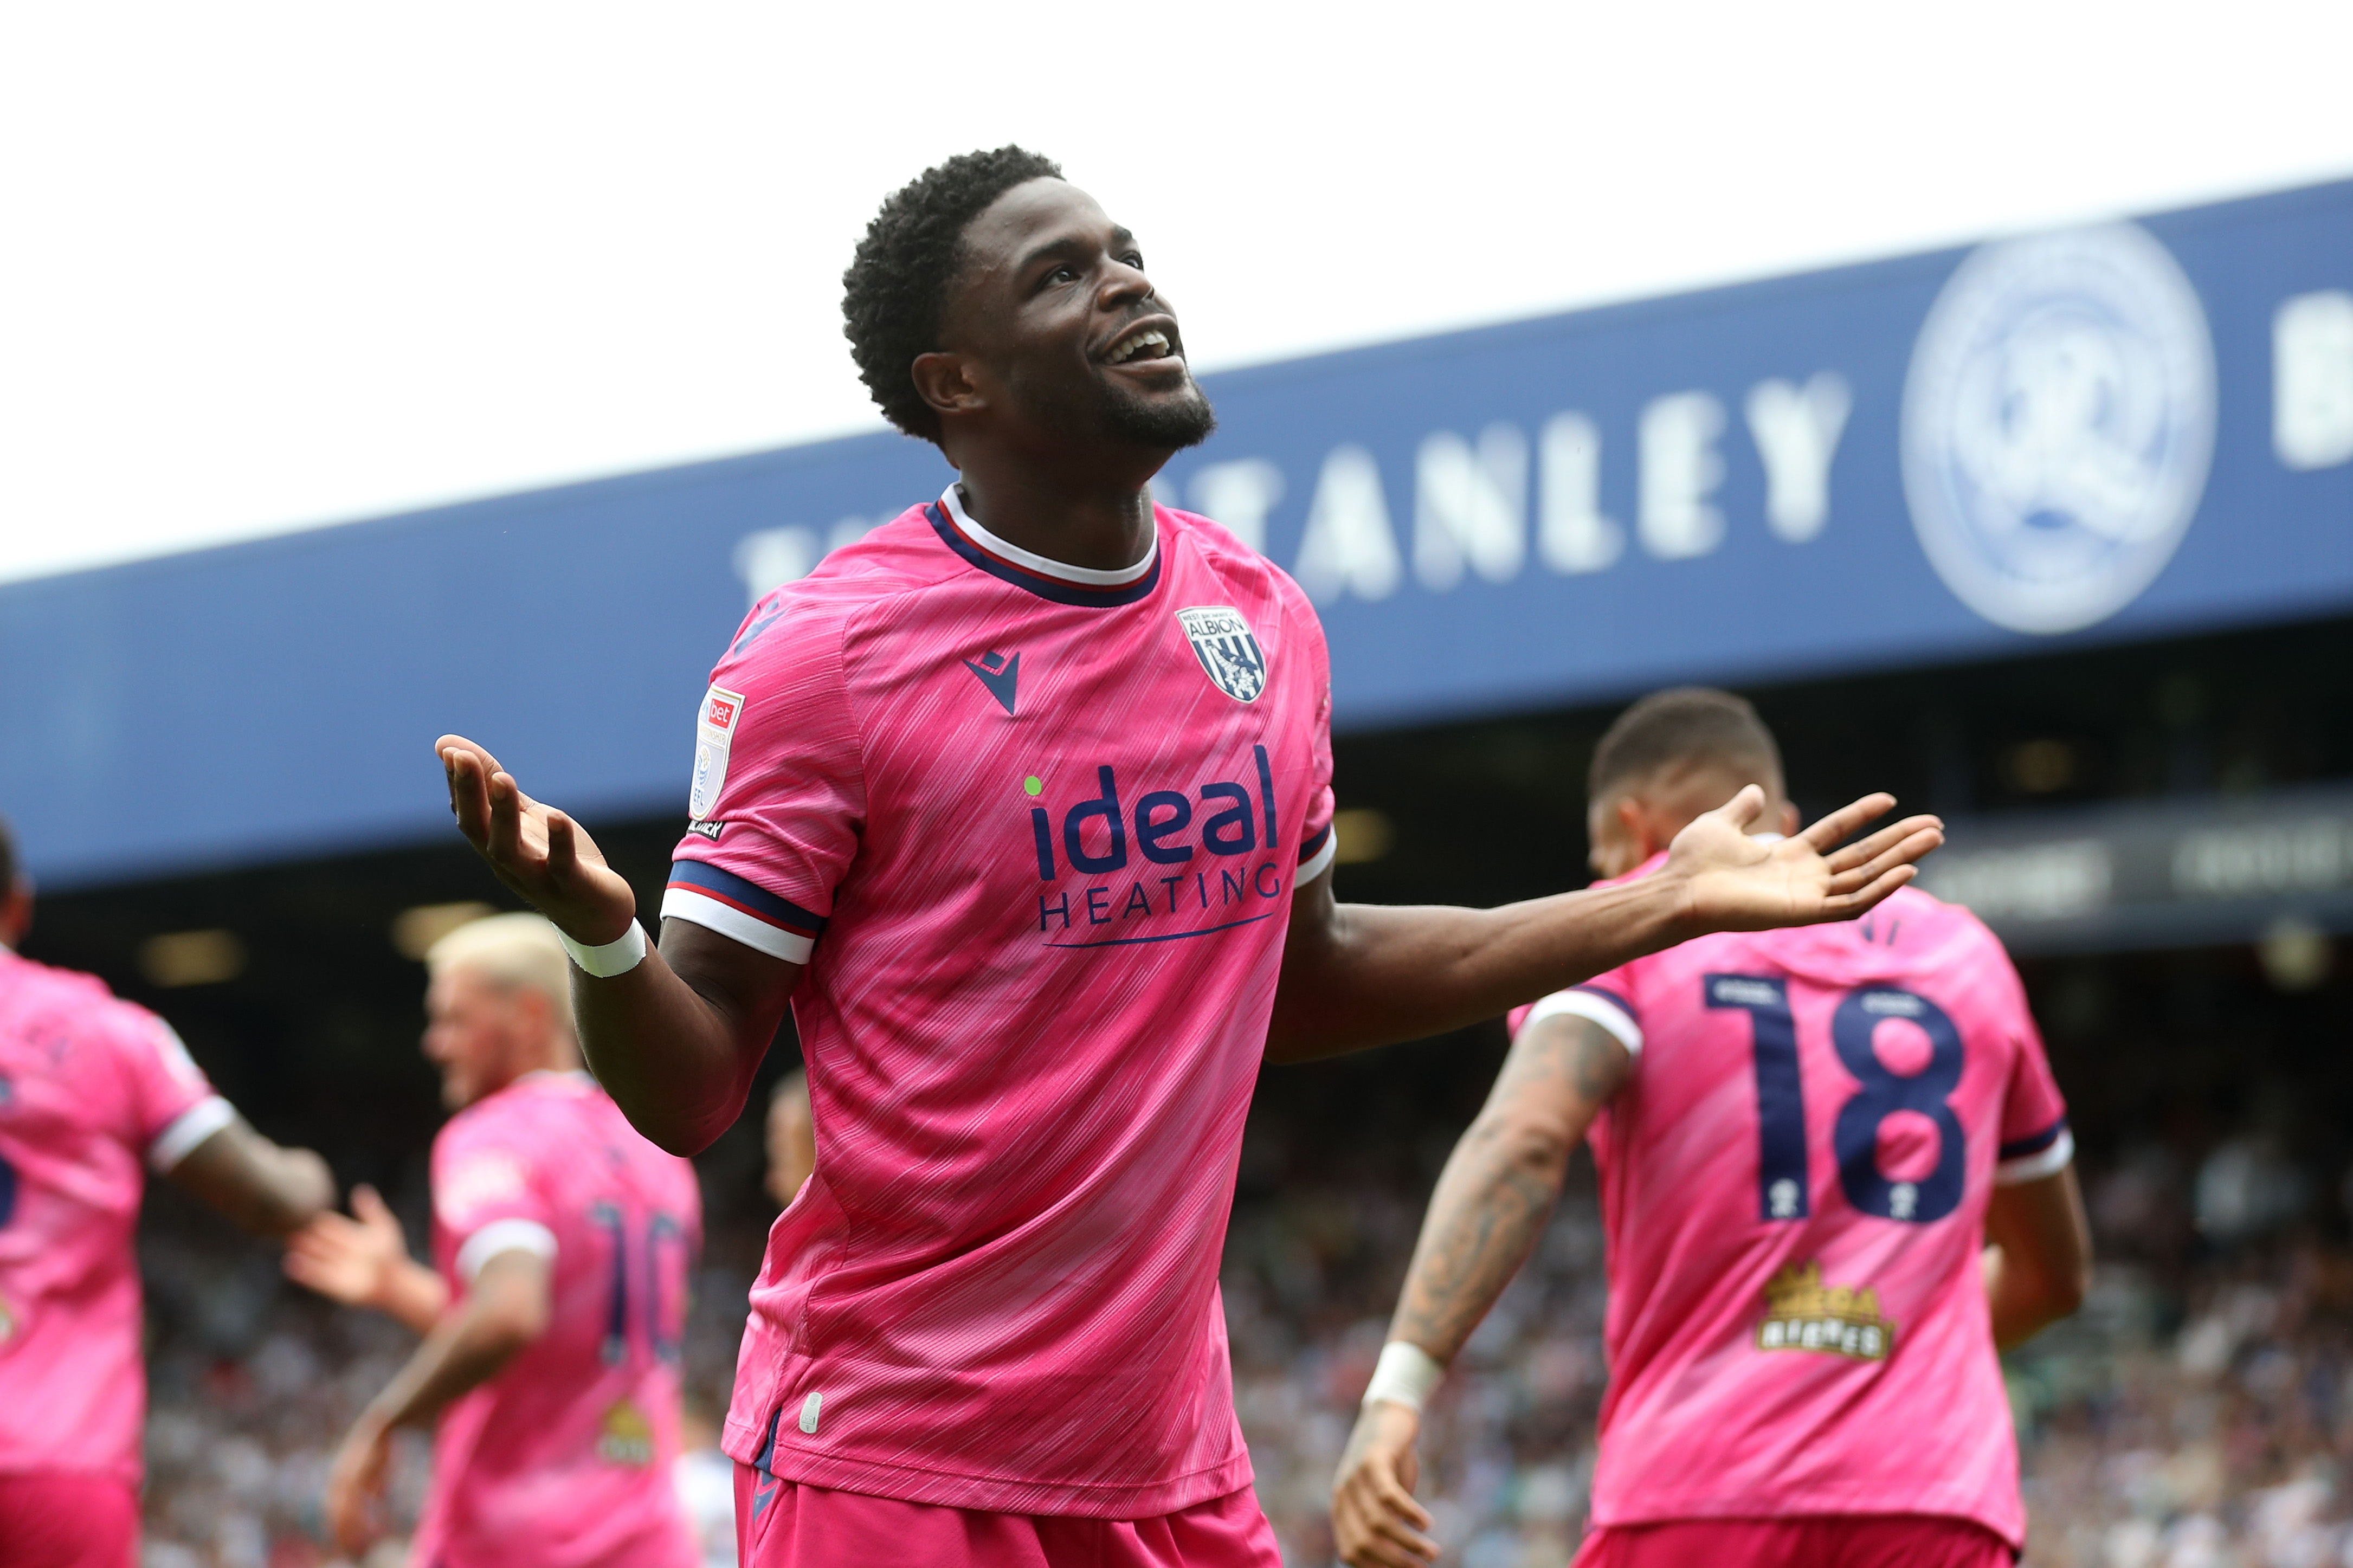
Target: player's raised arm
(537,851)
(1361,974)
(675,1033)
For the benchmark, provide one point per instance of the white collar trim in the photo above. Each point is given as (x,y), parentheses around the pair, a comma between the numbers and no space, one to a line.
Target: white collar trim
(1087,576)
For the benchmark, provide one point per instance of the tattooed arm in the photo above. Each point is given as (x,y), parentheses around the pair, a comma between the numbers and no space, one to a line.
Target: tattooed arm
(1499,1187)
(1491,1203)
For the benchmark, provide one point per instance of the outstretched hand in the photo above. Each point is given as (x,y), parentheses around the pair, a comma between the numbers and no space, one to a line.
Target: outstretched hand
(349,1260)
(1739,883)
(536,850)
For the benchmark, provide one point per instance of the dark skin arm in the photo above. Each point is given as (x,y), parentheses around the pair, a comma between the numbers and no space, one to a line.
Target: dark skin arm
(1492,1205)
(504,1311)
(2038,1258)
(1356,975)
(713,1004)
(265,1188)
(675,1040)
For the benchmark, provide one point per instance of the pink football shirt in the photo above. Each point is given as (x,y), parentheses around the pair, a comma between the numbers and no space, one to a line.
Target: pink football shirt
(92,1088)
(563,1459)
(1794,1183)
(1035,832)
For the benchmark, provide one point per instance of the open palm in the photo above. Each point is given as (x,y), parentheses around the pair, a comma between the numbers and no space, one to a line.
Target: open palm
(536,850)
(349,1260)
(1740,883)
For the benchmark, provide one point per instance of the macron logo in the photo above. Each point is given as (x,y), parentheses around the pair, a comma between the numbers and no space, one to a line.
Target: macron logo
(997,673)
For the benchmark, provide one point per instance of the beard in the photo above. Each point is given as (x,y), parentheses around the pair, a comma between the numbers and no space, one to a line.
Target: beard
(1169,424)
(1108,410)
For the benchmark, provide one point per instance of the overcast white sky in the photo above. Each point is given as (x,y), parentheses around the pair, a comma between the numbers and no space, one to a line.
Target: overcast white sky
(266,267)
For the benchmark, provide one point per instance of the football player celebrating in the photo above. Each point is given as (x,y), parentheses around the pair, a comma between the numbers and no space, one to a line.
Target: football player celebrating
(554,1317)
(91,1090)
(1806,1140)
(1024,803)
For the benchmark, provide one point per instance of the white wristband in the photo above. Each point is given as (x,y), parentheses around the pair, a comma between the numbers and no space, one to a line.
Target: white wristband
(618,956)
(1404,1376)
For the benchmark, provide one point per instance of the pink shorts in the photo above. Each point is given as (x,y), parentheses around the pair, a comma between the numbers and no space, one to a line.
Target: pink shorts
(59,1520)
(1818,1540)
(784,1524)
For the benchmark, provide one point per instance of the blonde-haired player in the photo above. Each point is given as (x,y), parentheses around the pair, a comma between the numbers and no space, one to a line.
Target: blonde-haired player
(553,1313)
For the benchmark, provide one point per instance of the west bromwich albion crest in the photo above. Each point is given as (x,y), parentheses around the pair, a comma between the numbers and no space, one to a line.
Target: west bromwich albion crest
(1228,649)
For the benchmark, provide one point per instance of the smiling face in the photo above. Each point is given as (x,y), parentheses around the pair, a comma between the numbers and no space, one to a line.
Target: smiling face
(1052,328)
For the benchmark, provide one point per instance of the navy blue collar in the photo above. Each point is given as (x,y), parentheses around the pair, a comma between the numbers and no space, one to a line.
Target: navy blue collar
(1046,587)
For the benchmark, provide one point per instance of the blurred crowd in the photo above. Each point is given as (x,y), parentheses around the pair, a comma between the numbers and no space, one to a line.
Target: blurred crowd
(2198,1413)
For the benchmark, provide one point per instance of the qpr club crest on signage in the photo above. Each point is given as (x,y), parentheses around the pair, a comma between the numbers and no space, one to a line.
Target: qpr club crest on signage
(1228,649)
(2058,422)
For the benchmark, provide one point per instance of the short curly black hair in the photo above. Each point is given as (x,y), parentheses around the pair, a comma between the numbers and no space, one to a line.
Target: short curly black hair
(897,283)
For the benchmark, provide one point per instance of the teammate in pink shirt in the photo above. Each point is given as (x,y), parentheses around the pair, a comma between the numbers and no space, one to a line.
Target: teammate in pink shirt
(1024,804)
(553,1312)
(1806,1139)
(94,1092)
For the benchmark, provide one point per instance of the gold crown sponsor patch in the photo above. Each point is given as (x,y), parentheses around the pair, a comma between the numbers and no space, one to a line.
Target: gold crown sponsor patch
(627,1437)
(1801,1313)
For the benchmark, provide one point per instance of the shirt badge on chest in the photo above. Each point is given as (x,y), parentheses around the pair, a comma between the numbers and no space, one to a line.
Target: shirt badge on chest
(1228,650)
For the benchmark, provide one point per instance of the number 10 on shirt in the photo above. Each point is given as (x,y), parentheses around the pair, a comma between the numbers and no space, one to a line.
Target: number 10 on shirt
(663,1330)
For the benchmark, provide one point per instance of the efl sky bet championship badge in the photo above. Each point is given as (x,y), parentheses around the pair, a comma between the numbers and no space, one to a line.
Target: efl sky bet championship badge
(1228,649)
(1802,1314)
(714,732)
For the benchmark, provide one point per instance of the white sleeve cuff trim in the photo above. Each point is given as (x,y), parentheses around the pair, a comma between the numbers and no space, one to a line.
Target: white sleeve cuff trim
(504,1235)
(698,909)
(2040,1163)
(1588,1005)
(185,1132)
(1314,865)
